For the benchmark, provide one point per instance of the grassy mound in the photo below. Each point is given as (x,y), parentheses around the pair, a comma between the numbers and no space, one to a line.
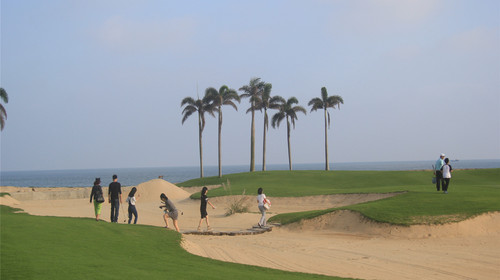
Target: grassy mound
(471,192)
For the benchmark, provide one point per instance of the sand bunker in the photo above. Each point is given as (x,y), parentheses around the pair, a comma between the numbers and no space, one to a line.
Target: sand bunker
(8,201)
(346,244)
(349,222)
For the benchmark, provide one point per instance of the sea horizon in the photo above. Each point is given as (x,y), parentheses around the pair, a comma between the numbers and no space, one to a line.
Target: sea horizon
(134,176)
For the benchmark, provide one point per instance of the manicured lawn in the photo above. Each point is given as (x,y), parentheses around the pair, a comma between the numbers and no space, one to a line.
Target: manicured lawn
(312,182)
(471,192)
(35,247)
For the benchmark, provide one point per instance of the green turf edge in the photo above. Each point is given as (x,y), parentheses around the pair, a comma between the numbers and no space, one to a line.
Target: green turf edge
(36,247)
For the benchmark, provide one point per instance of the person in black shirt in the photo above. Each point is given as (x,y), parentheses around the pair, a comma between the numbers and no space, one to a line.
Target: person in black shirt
(115,198)
(98,196)
(203,208)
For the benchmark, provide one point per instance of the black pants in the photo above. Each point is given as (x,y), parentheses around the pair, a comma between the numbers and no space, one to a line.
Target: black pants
(446,183)
(115,209)
(439,178)
(132,210)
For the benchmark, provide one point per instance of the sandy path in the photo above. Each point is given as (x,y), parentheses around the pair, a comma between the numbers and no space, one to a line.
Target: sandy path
(339,244)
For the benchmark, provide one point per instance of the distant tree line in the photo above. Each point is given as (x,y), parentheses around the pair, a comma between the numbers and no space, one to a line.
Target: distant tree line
(258,93)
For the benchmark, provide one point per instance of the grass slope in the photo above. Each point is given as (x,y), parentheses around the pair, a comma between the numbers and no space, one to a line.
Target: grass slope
(34,247)
(471,192)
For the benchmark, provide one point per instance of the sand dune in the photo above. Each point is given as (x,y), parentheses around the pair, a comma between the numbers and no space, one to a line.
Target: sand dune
(151,190)
(341,243)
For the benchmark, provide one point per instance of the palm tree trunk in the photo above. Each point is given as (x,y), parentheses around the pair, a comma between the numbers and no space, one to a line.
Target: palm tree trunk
(200,131)
(252,142)
(288,139)
(264,142)
(327,164)
(220,129)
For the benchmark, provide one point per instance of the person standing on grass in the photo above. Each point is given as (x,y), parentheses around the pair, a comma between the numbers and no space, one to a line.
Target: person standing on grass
(131,205)
(170,211)
(203,208)
(438,172)
(115,198)
(446,170)
(98,196)
(261,200)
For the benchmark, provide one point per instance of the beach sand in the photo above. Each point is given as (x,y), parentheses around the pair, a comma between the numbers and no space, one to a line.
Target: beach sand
(342,243)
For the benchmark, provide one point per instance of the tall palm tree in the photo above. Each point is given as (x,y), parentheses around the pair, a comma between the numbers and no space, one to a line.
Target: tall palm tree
(266,103)
(225,96)
(201,106)
(253,91)
(289,111)
(324,103)
(3,114)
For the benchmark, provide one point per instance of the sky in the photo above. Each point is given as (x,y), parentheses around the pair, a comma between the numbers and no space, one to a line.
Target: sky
(98,84)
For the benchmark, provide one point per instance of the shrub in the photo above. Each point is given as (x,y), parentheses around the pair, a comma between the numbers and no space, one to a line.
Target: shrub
(237,204)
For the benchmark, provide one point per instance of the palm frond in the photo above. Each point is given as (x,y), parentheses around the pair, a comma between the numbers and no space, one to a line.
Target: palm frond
(316,104)
(4,95)
(292,100)
(301,109)
(187,100)
(324,94)
(335,101)
(187,114)
(189,108)
(231,103)
(277,118)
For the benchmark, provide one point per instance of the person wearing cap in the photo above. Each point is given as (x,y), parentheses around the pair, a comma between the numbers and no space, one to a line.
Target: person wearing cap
(438,172)
(115,198)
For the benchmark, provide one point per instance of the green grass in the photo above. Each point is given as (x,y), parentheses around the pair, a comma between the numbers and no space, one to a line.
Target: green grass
(34,247)
(471,192)
(313,182)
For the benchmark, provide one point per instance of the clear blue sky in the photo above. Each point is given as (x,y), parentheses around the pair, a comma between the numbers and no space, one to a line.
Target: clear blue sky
(98,84)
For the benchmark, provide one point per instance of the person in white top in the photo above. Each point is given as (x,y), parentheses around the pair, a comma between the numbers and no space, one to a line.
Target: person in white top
(131,205)
(438,171)
(446,170)
(261,200)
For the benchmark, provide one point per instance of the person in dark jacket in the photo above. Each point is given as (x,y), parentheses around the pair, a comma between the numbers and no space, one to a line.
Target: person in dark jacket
(115,198)
(98,196)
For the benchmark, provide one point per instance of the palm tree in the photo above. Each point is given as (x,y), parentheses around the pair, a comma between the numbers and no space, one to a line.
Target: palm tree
(271,103)
(201,106)
(253,91)
(289,111)
(3,114)
(224,96)
(324,103)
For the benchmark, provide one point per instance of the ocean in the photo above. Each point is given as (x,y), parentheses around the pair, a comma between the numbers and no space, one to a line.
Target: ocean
(135,176)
